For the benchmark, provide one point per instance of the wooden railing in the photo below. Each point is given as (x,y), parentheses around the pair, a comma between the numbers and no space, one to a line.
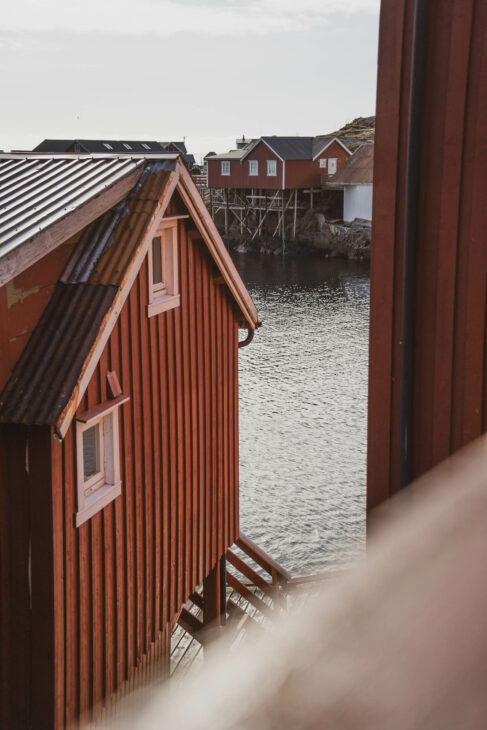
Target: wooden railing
(275,589)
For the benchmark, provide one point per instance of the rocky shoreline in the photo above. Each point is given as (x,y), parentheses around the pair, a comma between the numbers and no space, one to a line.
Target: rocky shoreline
(335,239)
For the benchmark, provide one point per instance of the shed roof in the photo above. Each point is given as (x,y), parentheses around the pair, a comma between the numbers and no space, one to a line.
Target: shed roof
(358,169)
(49,378)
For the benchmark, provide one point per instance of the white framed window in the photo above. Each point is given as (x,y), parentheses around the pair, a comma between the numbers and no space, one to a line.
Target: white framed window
(225,167)
(253,167)
(163,269)
(98,458)
(323,162)
(271,168)
(332,165)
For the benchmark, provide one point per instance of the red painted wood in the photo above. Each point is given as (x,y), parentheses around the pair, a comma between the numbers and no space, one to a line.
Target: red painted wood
(450,334)
(297,173)
(112,587)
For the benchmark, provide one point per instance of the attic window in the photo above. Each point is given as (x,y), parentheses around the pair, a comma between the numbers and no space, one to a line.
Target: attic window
(146,146)
(163,287)
(108,146)
(323,162)
(98,457)
(127,146)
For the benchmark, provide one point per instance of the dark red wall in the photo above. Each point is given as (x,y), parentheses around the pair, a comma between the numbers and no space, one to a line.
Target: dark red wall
(106,595)
(450,375)
(308,173)
(298,173)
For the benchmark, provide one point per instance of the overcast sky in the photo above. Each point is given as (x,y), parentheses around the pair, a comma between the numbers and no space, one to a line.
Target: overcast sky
(207,70)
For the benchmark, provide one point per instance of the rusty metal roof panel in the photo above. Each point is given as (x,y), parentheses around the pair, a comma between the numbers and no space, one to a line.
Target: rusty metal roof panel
(48,369)
(108,244)
(37,192)
(358,169)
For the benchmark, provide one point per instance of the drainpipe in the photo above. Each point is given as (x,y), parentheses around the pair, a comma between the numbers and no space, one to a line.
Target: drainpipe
(248,339)
(413,170)
(250,336)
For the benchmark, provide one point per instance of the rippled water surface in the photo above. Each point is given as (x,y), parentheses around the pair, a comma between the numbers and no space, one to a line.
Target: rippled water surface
(303,402)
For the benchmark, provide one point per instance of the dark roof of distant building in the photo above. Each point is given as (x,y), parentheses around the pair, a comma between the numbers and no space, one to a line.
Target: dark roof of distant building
(111,146)
(295,148)
(102,146)
(358,169)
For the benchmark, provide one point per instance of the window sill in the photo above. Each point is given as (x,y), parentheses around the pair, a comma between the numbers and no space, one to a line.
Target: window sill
(97,501)
(163,304)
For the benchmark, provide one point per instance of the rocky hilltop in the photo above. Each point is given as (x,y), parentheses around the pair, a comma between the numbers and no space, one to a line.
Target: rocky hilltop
(355,133)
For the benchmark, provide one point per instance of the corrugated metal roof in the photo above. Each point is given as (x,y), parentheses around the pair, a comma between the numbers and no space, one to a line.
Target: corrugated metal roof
(37,192)
(359,168)
(108,244)
(45,376)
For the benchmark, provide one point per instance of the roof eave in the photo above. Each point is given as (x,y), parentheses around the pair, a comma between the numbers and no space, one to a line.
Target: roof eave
(334,139)
(252,148)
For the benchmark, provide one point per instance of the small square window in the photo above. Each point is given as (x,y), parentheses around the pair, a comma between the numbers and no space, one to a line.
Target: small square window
(108,146)
(163,269)
(126,145)
(98,458)
(253,167)
(323,162)
(225,167)
(271,168)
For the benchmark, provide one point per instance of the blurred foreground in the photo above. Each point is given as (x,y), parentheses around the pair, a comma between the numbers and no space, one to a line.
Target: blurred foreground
(399,642)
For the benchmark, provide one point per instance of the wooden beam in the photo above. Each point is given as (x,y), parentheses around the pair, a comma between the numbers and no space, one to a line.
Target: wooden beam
(191,624)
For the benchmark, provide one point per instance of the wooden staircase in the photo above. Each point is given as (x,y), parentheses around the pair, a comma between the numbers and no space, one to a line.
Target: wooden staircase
(255,592)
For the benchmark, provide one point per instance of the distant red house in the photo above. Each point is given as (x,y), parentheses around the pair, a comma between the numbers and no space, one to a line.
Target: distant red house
(278,163)
(119,316)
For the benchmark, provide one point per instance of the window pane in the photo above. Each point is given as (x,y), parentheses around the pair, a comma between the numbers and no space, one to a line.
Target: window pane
(156,261)
(91,451)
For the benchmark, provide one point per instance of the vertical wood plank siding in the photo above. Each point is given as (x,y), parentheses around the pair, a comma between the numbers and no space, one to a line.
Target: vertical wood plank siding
(129,569)
(450,388)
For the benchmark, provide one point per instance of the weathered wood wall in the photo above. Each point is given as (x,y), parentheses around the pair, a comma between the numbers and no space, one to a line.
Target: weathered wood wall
(450,378)
(106,595)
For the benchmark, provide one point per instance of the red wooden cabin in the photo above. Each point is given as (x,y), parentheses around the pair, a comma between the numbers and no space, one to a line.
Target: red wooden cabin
(120,310)
(278,163)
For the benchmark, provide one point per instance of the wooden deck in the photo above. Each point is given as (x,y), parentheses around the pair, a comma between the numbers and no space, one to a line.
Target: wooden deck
(244,623)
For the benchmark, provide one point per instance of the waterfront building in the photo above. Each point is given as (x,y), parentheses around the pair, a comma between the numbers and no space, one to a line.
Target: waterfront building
(262,180)
(120,312)
(355,179)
